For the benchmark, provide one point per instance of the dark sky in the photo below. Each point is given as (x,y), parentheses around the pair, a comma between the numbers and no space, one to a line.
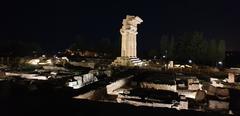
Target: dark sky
(55,24)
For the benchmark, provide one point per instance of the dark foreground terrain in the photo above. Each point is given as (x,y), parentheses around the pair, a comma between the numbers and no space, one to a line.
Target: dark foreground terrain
(20,101)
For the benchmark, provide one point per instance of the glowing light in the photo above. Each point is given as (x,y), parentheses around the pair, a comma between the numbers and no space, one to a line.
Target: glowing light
(220,63)
(190,61)
(164,56)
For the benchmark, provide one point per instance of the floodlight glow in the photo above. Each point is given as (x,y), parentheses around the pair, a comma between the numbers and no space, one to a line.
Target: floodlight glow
(220,63)
(190,61)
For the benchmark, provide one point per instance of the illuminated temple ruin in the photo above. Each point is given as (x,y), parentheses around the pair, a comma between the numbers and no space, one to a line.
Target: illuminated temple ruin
(129,42)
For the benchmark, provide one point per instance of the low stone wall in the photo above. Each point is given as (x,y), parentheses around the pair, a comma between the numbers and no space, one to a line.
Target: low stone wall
(117,84)
(83,64)
(138,103)
(158,86)
(98,94)
(187,93)
(220,92)
(101,93)
(218,105)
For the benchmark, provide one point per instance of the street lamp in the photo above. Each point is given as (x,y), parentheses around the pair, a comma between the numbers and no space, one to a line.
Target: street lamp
(190,61)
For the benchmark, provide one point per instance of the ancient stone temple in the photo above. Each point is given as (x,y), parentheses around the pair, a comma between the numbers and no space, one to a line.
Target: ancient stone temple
(129,42)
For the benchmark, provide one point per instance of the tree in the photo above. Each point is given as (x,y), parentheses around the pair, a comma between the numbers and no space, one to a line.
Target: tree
(196,46)
(185,47)
(105,45)
(203,59)
(191,45)
(171,48)
(79,43)
(212,52)
(164,45)
(152,53)
(181,54)
(221,50)
(18,48)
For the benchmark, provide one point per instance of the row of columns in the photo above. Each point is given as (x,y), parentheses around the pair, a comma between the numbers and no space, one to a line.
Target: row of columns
(129,46)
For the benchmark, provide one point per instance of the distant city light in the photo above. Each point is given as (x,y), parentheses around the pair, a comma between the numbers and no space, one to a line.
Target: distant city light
(164,56)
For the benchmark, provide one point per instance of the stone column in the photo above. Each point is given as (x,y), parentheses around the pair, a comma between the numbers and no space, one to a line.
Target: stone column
(127,44)
(131,44)
(134,46)
(123,42)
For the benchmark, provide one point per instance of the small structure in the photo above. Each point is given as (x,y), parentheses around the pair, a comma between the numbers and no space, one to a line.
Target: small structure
(188,82)
(187,86)
(170,64)
(231,77)
(193,84)
(216,82)
(232,72)
(80,81)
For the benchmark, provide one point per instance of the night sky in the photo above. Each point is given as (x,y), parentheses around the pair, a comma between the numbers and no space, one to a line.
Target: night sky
(56,24)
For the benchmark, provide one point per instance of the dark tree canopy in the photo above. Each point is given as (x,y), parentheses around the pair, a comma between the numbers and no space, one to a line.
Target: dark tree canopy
(19,48)
(193,46)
